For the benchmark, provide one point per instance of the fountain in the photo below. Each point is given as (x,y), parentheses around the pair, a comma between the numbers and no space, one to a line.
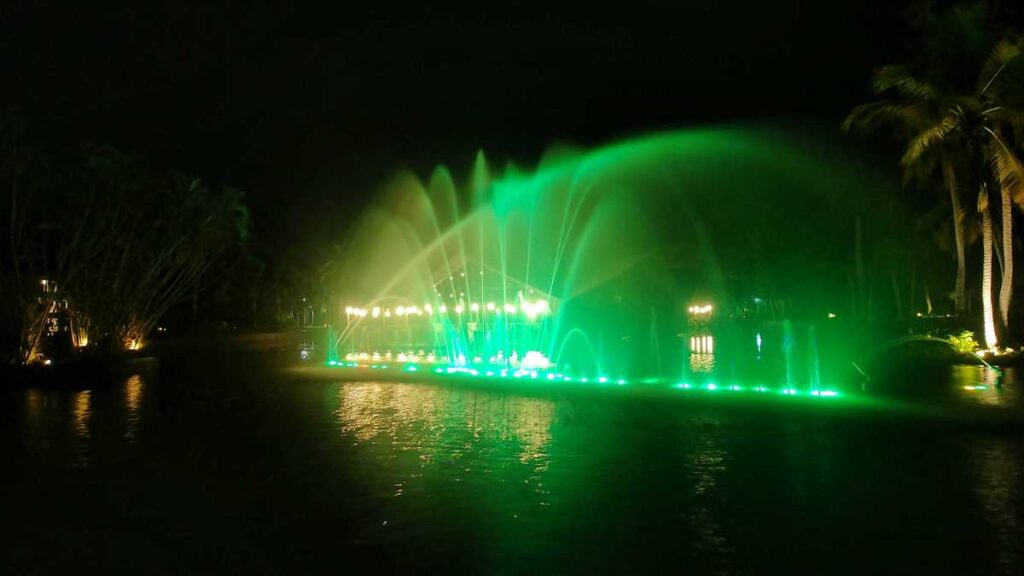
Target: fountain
(578,271)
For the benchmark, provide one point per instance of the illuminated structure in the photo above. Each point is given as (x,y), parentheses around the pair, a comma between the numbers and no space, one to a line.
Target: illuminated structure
(483,320)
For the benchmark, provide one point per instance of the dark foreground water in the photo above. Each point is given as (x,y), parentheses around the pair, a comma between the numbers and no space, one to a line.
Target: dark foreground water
(240,468)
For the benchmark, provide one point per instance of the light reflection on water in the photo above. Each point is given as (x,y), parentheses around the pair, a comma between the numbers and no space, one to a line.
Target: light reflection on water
(132,403)
(80,419)
(999,485)
(535,481)
(453,436)
(984,386)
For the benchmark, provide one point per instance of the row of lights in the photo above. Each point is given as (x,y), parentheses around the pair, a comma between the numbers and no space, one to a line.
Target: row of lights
(520,373)
(700,309)
(712,387)
(530,309)
(558,377)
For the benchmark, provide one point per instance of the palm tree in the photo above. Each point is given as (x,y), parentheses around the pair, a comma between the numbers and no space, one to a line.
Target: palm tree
(1002,115)
(919,113)
(986,268)
(960,130)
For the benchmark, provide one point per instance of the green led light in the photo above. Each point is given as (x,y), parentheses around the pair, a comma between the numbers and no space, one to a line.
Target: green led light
(712,386)
(602,379)
(411,369)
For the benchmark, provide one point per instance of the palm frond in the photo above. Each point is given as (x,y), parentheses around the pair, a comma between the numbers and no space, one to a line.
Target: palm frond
(869,117)
(901,80)
(1008,114)
(1003,53)
(930,136)
(1007,169)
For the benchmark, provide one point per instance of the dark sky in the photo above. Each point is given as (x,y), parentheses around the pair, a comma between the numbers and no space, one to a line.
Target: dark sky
(305,109)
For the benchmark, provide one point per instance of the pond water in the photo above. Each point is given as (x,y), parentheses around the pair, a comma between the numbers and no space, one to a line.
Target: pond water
(235,465)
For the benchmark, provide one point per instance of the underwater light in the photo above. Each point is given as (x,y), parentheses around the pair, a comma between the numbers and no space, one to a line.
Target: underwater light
(490,306)
(410,368)
(442,309)
(375,312)
(712,386)
(602,379)
(474,307)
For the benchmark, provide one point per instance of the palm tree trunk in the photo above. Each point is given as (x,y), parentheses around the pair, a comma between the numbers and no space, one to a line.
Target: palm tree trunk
(1006,282)
(949,176)
(986,270)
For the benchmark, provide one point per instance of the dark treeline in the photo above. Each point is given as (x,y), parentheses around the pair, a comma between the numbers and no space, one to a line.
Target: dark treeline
(99,247)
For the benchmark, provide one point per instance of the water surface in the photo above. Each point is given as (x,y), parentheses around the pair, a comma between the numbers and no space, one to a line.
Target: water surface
(239,466)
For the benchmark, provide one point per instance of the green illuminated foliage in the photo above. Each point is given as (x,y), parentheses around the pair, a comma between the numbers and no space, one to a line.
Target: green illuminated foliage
(964,342)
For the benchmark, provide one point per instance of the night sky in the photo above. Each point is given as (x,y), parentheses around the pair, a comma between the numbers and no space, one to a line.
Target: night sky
(308,110)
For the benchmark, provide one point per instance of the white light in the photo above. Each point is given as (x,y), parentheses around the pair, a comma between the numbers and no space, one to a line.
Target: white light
(490,306)
(510,308)
(443,309)
(428,308)
(458,308)
(348,310)
(474,307)
(400,311)
(376,311)
(387,313)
